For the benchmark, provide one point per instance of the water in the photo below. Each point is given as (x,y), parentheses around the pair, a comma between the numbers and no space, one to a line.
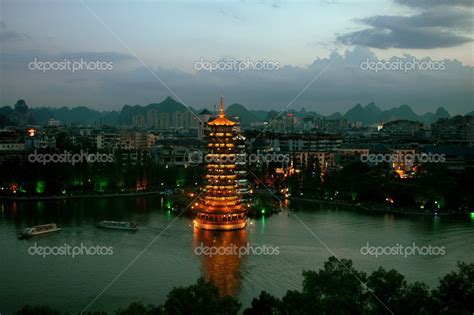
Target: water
(70,284)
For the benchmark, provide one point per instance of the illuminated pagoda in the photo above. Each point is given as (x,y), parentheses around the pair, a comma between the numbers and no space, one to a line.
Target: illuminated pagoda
(221,207)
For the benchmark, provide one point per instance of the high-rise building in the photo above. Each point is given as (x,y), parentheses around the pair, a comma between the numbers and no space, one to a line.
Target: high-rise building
(221,207)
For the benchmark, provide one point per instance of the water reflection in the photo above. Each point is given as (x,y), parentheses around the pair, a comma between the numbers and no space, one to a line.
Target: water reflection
(223,269)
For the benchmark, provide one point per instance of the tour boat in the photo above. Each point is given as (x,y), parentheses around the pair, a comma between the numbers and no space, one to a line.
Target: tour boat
(129,226)
(40,229)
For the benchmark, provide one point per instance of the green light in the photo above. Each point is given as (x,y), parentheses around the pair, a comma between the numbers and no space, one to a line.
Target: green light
(263,210)
(472,215)
(40,186)
(101,185)
(76,182)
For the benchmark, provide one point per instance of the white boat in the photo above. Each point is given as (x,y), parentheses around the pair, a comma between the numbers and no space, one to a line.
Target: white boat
(40,229)
(129,226)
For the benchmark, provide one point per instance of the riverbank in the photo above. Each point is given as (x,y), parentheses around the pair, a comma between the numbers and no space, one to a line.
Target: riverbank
(373,208)
(63,197)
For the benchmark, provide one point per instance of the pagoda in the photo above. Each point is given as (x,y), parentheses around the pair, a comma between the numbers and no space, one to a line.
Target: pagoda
(221,207)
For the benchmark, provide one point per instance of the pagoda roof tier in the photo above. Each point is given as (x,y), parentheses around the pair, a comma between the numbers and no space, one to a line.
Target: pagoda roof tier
(222,120)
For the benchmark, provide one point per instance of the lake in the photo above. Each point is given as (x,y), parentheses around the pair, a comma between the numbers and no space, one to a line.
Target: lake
(274,251)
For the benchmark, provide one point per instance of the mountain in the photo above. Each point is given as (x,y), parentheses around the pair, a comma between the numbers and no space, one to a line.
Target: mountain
(334,116)
(358,113)
(245,117)
(371,114)
(261,115)
(403,112)
(20,115)
(430,118)
(5,110)
(169,105)
(21,107)
(75,115)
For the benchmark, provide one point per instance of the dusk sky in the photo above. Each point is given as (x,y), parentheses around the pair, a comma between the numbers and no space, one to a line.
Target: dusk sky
(318,45)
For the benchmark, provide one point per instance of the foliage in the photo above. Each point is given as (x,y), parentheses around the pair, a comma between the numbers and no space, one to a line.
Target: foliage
(338,288)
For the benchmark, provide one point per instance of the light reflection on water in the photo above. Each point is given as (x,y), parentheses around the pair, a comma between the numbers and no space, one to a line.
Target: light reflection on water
(70,284)
(223,270)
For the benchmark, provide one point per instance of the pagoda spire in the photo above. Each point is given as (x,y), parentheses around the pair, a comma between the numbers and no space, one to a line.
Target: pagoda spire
(221,110)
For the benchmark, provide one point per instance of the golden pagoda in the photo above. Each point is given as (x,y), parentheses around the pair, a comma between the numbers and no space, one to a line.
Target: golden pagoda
(221,208)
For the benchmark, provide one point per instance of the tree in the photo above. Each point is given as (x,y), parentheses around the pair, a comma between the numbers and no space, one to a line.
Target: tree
(296,303)
(138,308)
(200,298)
(265,304)
(455,293)
(336,289)
(387,288)
(37,310)
(392,294)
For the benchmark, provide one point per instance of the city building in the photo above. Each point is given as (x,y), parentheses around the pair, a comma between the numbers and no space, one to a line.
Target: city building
(456,130)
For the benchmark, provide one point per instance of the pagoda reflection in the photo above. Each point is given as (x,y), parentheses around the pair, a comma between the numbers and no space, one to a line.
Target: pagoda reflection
(223,268)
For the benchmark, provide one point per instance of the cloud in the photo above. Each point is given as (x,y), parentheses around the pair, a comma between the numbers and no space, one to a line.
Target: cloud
(6,35)
(339,87)
(230,14)
(432,3)
(440,25)
(115,57)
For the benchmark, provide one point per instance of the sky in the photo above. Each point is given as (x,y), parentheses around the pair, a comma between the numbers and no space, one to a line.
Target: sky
(321,52)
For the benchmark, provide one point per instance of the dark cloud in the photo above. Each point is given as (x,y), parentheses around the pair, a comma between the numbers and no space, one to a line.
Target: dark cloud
(432,3)
(338,87)
(434,27)
(403,37)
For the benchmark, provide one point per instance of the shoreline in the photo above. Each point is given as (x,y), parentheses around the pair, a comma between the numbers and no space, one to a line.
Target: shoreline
(371,209)
(53,198)
(374,209)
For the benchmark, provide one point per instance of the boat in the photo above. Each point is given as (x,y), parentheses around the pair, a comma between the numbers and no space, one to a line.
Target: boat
(116,225)
(40,229)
